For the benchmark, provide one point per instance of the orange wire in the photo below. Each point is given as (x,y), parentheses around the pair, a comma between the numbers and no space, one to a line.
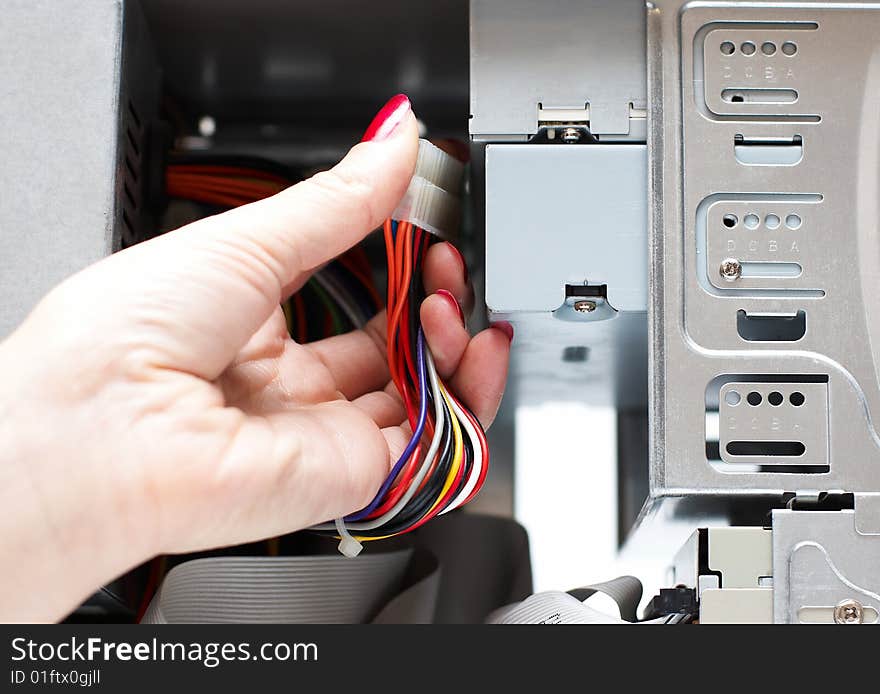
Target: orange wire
(402,243)
(206,197)
(226,185)
(231,171)
(221,182)
(392,286)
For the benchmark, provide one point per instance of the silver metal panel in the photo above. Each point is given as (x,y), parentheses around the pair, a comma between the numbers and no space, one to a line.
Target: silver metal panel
(560,54)
(764,73)
(58,127)
(575,215)
(765,423)
(820,560)
(565,214)
(694,164)
(781,243)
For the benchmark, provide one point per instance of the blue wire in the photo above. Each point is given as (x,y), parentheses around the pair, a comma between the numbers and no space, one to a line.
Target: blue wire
(413,442)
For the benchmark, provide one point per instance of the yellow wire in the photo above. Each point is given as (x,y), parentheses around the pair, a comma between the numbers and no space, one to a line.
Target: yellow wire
(457,456)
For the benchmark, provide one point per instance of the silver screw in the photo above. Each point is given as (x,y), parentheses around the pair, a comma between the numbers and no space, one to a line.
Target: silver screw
(730,269)
(584,306)
(571,135)
(848,612)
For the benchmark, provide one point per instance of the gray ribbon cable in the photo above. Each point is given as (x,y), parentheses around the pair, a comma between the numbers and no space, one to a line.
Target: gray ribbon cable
(329,589)
(556,607)
(626,591)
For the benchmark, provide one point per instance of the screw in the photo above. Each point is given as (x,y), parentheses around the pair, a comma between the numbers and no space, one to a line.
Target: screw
(848,612)
(571,135)
(730,269)
(584,306)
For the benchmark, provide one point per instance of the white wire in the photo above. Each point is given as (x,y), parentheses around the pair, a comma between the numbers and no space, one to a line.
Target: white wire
(440,421)
(338,295)
(476,468)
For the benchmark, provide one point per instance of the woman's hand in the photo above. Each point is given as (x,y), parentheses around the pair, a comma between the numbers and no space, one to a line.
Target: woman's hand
(153,403)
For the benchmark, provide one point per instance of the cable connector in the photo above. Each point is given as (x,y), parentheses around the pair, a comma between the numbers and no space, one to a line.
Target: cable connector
(432,199)
(439,168)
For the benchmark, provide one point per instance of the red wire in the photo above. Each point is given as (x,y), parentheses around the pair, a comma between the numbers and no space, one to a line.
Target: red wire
(404,480)
(300,305)
(208,197)
(484,448)
(245,189)
(230,171)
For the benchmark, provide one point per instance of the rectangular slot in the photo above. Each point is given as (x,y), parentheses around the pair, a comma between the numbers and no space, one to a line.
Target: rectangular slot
(762,424)
(759,96)
(597,290)
(768,151)
(771,327)
(771,270)
(766,448)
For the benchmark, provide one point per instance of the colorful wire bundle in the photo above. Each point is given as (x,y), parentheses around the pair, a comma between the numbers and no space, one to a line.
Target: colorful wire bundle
(338,298)
(446,460)
(222,185)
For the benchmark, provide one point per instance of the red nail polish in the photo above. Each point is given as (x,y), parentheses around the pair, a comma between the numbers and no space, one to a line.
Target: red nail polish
(460,258)
(448,296)
(388,118)
(504,327)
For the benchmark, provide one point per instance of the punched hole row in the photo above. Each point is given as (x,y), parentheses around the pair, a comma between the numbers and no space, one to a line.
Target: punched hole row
(749,48)
(754,398)
(753,221)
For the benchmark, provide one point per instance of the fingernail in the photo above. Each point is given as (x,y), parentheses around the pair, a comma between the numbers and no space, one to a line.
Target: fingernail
(451,299)
(460,257)
(389,117)
(504,327)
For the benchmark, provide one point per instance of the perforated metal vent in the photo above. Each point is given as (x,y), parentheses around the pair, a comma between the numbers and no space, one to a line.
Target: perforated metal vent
(134,145)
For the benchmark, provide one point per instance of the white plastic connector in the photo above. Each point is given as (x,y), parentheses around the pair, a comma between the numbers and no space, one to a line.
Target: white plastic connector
(431,201)
(439,168)
(429,207)
(348,545)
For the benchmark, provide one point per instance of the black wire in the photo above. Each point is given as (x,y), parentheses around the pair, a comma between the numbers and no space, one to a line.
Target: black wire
(421,503)
(424,499)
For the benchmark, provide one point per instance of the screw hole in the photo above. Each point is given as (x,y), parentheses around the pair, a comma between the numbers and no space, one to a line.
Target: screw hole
(751,221)
(772,221)
(797,398)
(754,398)
(768,48)
(727,48)
(748,48)
(775,398)
(793,221)
(789,48)
(732,398)
(730,220)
